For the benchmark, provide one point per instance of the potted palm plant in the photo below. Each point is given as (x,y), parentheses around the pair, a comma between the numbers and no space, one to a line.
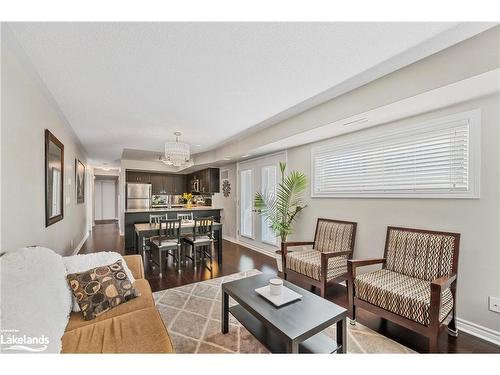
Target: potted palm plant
(280,208)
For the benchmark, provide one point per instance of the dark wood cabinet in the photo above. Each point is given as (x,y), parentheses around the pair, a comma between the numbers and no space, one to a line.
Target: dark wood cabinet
(162,184)
(157,184)
(179,185)
(204,181)
(141,177)
(168,183)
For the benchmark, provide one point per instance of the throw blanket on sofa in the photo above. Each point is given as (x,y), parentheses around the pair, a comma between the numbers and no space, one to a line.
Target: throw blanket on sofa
(35,301)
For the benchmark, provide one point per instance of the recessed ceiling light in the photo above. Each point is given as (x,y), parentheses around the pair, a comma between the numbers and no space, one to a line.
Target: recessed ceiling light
(246,156)
(227,158)
(198,145)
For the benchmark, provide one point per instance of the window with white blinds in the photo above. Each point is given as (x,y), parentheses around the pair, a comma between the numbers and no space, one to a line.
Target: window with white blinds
(436,159)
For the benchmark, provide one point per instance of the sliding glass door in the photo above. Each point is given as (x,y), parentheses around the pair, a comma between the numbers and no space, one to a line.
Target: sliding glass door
(257,175)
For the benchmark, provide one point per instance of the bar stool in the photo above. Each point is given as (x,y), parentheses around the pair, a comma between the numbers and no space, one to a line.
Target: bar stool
(169,240)
(201,239)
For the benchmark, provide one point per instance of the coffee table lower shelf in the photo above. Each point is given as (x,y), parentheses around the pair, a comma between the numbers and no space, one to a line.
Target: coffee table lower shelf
(317,344)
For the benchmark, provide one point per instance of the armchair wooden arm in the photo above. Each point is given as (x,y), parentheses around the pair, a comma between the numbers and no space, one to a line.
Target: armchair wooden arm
(443,282)
(352,264)
(297,243)
(437,287)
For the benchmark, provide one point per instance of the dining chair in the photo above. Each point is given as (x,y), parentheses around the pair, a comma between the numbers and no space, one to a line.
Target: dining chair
(188,216)
(201,241)
(168,240)
(155,219)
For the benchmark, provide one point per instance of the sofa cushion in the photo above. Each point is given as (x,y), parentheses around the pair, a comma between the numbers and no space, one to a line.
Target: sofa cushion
(102,288)
(143,301)
(83,262)
(308,262)
(403,295)
(140,331)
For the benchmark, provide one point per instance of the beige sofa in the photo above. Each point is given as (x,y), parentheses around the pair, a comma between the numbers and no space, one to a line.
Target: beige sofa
(132,327)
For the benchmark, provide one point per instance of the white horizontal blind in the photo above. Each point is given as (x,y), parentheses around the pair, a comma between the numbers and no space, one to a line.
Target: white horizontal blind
(433,160)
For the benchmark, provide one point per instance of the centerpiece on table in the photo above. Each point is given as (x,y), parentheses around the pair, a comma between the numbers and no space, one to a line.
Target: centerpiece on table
(280,208)
(187,197)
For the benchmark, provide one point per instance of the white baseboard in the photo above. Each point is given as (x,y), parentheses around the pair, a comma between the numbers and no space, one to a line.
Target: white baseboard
(254,248)
(230,239)
(479,331)
(80,244)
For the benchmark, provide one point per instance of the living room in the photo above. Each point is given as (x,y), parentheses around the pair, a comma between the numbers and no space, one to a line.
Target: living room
(250,187)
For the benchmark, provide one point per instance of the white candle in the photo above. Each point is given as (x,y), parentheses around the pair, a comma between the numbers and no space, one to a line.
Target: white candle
(275,286)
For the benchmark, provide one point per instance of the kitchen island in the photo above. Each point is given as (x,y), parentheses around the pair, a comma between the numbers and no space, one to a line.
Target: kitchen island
(141,215)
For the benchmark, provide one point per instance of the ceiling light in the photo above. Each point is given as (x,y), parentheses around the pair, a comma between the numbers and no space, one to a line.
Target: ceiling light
(177,153)
(227,158)
(245,156)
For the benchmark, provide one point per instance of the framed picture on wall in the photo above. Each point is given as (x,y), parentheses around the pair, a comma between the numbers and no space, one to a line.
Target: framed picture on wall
(54,179)
(80,181)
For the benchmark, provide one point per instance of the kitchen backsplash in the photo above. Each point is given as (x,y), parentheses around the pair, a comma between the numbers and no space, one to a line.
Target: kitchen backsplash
(205,199)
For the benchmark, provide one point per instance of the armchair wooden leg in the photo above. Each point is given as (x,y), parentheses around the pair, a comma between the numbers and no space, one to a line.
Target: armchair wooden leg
(350,297)
(434,343)
(452,325)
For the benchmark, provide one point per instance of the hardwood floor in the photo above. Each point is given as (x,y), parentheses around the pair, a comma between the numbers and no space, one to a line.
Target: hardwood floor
(105,237)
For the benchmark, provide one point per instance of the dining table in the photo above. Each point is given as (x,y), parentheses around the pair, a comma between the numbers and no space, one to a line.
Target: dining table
(146,230)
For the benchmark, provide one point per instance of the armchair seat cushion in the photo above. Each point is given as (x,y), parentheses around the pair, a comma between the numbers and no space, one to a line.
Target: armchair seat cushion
(308,262)
(404,295)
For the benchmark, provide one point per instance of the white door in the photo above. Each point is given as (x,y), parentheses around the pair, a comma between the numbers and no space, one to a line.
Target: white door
(108,200)
(98,200)
(105,199)
(257,175)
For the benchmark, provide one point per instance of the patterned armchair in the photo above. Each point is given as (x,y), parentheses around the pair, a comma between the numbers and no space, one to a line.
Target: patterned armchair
(326,262)
(416,286)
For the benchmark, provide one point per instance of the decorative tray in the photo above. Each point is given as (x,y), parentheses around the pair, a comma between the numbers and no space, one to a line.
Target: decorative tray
(286,296)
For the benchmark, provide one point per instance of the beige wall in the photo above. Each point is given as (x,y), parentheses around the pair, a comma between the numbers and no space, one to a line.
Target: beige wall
(228,214)
(26,112)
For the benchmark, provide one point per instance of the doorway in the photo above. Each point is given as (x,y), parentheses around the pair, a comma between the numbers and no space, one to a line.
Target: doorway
(257,175)
(105,200)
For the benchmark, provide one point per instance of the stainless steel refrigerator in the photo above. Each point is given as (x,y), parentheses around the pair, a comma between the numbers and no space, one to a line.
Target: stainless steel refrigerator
(138,196)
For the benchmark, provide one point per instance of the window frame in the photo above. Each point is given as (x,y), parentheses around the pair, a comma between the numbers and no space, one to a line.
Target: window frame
(377,135)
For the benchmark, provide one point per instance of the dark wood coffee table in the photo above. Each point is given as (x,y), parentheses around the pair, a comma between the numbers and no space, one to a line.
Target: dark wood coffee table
(292,328)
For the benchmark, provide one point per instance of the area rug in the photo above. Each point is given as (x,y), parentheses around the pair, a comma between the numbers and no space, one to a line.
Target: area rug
(192,314)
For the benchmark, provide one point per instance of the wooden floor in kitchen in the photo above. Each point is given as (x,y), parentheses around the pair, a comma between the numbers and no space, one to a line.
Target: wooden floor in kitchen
(236,258)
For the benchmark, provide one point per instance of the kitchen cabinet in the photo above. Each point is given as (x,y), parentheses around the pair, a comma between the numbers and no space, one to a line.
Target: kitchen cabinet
(207,181)
(142,177)
(168,184)
(157,187)
(179,185)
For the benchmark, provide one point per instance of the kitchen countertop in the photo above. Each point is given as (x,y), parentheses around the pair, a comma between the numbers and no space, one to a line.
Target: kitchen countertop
(162,209)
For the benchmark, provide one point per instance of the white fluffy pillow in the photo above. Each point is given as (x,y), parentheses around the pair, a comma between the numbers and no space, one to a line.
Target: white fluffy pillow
(35,300)
(84,262)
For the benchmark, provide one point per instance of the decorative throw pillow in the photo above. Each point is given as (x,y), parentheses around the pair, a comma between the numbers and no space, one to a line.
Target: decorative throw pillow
(100,289)
(83,262)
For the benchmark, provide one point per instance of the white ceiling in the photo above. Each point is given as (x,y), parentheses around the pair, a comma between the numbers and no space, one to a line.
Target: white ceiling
(131,85)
